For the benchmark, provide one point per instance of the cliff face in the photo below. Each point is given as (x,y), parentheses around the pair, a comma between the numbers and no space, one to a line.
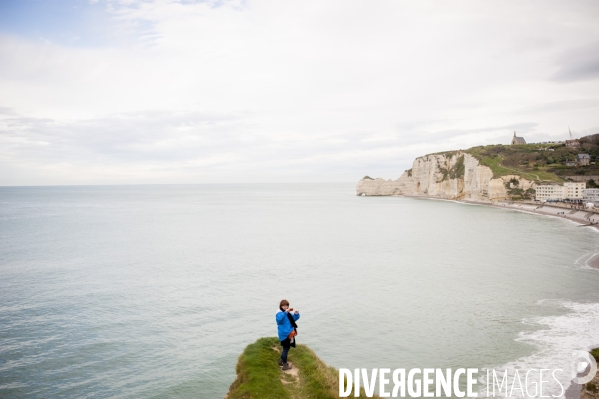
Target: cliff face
(452,176)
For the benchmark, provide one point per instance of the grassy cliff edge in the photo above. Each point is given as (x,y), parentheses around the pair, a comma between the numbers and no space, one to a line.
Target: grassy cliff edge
(540,162)
(260,377)
(591,389)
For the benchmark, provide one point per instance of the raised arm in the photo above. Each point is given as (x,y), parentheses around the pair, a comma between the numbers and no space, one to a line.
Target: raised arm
(280,317)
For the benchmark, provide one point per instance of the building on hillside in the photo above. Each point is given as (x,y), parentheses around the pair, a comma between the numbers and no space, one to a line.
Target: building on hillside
(570,163)
(591,195)
(573,143)
(518,140)
(573,190)
(584,159)
(554,192)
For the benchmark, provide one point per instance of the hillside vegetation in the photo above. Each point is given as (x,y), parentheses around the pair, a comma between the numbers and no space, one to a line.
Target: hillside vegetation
(542,163)
(260,377)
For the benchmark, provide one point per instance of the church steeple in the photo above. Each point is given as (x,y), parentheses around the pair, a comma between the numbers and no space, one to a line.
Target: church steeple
(518,140)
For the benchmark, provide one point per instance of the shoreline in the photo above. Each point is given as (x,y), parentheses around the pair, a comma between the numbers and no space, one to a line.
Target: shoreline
(575,390)
(547,210)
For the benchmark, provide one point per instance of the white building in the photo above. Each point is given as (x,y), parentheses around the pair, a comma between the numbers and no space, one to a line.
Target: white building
(574,190)
(552,192)
(591,195)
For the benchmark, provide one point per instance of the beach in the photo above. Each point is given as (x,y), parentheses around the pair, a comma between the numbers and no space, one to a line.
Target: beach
(578,215)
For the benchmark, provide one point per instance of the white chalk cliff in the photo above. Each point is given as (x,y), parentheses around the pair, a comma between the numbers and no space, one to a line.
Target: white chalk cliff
(457,176)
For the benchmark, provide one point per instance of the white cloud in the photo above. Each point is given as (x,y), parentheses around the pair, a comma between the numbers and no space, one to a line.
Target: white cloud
(302,91)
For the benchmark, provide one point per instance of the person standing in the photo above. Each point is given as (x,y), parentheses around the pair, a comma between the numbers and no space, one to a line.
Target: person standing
(287,329)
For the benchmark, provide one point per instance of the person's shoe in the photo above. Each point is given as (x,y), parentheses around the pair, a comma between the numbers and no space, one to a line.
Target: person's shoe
(286,366)
(280,362)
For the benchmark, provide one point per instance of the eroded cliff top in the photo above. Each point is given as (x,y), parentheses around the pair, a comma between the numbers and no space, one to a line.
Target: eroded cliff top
(260,377)
(537,162)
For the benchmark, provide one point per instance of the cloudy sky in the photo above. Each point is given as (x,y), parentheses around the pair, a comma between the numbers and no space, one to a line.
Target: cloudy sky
(129,91)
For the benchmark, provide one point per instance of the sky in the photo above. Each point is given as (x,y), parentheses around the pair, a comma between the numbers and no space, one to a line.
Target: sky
(277,91)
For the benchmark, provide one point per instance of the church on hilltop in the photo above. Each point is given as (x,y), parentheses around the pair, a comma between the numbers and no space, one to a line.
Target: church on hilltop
(518,140)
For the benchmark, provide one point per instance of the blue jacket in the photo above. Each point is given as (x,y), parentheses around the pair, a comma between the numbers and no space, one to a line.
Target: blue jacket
(284,325)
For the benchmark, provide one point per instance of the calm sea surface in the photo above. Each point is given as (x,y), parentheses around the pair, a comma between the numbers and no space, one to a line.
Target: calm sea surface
(153,291)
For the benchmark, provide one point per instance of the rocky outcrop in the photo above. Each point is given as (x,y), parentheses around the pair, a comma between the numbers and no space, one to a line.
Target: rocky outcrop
(457,176)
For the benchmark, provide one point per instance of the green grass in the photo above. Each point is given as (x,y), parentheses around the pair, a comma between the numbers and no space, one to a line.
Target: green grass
(259,376)
(546,175)
(494,157)
(497,169)
(535,162)
(591,386)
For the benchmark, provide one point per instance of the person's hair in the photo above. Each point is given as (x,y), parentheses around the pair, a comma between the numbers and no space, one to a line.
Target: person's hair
(284,302)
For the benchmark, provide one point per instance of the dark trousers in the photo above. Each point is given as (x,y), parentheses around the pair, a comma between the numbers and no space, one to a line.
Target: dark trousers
(284,354)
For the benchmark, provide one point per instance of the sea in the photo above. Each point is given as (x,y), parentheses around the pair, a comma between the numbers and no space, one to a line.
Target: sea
(153,291)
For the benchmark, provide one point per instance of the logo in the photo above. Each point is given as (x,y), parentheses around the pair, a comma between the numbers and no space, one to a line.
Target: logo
(582,361)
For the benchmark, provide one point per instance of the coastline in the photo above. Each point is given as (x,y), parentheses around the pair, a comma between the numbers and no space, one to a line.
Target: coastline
(547,210)
(575,390)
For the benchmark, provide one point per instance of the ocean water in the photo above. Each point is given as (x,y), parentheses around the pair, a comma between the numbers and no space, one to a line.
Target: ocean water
(154,291)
